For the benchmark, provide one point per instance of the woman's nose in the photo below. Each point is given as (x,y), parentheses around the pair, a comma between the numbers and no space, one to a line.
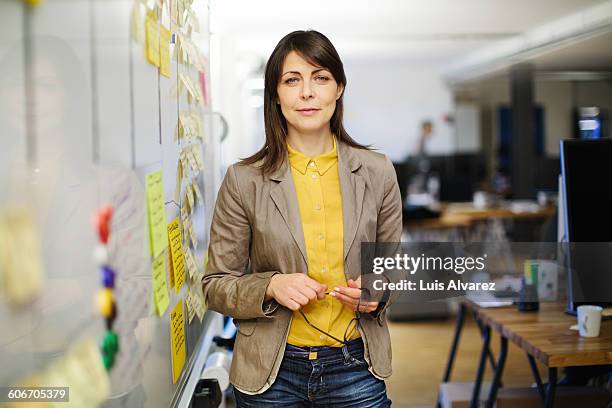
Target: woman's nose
(306,90)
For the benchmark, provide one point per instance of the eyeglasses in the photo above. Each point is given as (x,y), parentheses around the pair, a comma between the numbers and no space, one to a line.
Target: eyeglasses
(353,324)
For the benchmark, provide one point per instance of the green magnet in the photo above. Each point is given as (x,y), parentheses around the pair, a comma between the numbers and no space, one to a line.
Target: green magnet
(110,343)
(108,360)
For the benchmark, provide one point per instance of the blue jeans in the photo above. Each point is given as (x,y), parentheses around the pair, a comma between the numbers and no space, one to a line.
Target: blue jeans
(337,378)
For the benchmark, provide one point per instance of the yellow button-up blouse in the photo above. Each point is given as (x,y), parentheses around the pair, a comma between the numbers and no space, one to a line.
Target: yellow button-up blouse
(320,201)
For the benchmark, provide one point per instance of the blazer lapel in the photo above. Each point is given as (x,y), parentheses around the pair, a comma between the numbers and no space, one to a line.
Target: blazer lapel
(352,187)
(284,195)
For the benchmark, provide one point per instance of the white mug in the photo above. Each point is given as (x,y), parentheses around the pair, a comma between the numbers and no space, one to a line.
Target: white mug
(589,320)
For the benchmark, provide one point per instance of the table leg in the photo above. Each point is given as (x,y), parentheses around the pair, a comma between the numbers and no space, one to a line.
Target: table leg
(536,375)
(454,346)
(499,370)
(550,389)
(489,352)
(481,367)
(455,343)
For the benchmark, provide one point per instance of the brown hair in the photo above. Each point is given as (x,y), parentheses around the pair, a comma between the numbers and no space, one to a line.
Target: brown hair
(318,50)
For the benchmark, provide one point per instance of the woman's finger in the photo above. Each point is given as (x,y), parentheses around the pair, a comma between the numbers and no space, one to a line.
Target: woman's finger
(347,300)
(351,292)
(314,285)
(368,307)
(308,292)
(292,305)
(299,298)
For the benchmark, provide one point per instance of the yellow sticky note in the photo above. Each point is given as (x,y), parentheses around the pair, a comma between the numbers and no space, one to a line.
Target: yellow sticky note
(85,374)
(190,263)
(191,158)
(176,255)
(152,41)
(199,304)
(81,370)
(189,196)
(179,181)
(164,51)
(160,290)
(184,218)
(189,125)
(156,213)
(191,311)
(199,275)
(197,192)
(20,264)
(192,235)
(174,12)
(192,91)
(33,3)
(197,157)
(184,164)
(177,340)
(138,29)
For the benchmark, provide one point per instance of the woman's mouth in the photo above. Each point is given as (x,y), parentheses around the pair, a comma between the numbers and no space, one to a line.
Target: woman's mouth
(308,111)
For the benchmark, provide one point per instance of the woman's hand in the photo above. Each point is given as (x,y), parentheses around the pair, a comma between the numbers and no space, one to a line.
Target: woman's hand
(350,296)
(294,290)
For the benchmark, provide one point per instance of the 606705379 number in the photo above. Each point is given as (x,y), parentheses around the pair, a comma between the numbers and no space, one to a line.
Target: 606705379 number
(34,394)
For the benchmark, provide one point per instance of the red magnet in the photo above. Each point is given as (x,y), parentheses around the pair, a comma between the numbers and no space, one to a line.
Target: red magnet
(103,218)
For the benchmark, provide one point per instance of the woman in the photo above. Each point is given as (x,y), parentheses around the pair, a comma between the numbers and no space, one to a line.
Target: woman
(284,254)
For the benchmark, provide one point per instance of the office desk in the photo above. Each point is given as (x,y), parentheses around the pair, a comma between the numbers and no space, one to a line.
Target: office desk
(478,214)
(545,335)
(464,217)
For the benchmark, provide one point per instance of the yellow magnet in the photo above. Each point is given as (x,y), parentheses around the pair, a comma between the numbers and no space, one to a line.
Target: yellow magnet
(105,302)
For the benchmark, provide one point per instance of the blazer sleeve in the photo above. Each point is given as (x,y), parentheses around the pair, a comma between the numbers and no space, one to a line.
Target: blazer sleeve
(389,230)
(227,287)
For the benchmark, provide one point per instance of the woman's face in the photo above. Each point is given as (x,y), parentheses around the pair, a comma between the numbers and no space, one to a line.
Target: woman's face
(307,94)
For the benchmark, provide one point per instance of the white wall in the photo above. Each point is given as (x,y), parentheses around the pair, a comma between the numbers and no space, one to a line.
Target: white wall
(387,101)
(556,97)
(231,68)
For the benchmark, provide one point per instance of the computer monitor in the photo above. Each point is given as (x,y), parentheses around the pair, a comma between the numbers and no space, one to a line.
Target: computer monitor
(587,206)
(591,122)
(459,174)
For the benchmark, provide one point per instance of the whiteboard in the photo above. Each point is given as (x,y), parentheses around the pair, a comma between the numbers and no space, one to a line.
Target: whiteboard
(83,118)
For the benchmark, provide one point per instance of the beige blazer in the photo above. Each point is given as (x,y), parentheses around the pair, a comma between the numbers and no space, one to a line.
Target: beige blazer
(256,232)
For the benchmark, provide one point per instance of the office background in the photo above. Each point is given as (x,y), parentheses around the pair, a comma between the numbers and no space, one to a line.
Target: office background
(500,83)
(462,66)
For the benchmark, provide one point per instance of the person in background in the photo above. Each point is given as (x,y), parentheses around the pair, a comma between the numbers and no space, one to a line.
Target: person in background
(424,183)
(285,253)
(426,133)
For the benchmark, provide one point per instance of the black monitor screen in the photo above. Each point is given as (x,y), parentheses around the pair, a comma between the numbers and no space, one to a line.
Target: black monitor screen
(587,177)
(586,167)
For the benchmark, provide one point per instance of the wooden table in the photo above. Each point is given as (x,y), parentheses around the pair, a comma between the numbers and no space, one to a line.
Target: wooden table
(546,336)
(479,214)
(465,215)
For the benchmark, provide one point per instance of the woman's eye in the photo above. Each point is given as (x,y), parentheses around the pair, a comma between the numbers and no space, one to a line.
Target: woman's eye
(291,80)
(322,78)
